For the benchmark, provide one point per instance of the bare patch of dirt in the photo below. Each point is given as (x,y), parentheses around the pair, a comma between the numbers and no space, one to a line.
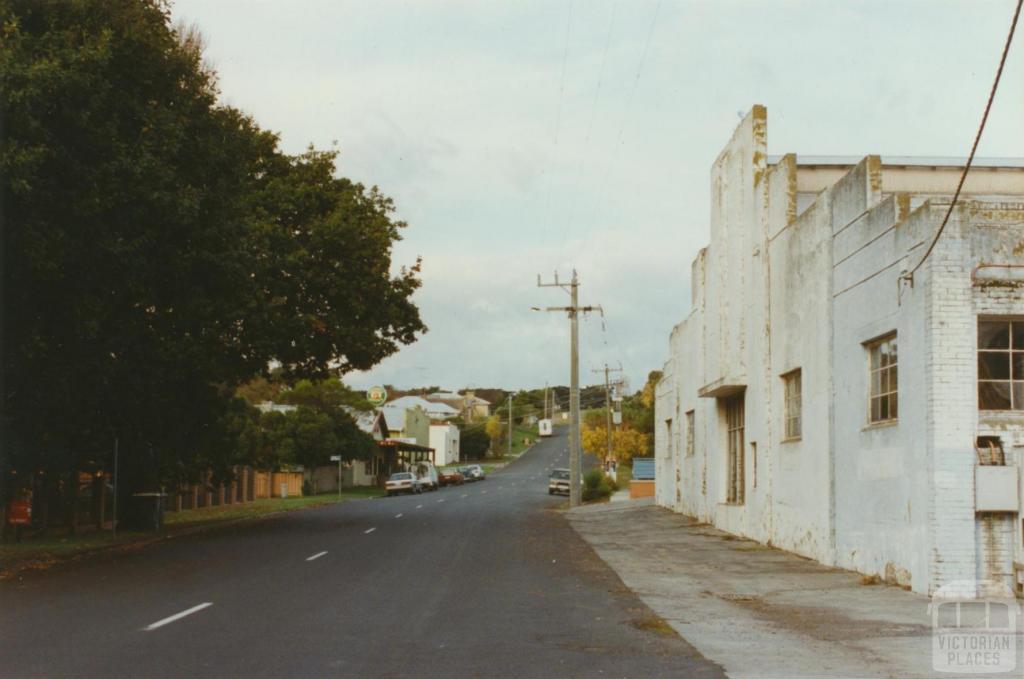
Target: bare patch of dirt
(653,623)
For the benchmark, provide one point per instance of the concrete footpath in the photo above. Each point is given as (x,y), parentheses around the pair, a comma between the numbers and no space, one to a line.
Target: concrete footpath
(755,610)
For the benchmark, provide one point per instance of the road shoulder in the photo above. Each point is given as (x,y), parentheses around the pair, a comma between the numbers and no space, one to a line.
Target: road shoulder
(755,610)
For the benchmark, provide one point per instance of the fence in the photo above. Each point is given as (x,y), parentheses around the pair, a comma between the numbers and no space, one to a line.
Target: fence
(247,486)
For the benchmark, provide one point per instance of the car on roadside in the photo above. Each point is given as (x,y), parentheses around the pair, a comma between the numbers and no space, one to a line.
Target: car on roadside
(467,476)
(450,477)
(402,482)
(473,472)
(426,474)
(558,482)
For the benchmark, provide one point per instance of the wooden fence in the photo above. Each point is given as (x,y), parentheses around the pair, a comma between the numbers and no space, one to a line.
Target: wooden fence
(248,485)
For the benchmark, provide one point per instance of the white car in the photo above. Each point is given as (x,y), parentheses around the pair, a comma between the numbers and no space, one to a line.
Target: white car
(402,482)
(476,473)
(426,475)
(559,481)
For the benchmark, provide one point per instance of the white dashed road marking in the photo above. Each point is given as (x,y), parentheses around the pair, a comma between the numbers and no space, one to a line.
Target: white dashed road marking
(316,556)
(398,516)
(441,500)
(369,530)
(419,506)
(176,616)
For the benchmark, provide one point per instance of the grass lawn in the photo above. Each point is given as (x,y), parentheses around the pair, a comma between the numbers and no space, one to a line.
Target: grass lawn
(520,436)
(42,551)
(263,507)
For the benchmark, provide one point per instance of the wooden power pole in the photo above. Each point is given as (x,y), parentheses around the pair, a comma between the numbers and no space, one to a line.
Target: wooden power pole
(573,310)
(608,407)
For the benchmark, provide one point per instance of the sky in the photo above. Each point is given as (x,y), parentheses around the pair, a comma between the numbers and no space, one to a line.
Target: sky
(526,138)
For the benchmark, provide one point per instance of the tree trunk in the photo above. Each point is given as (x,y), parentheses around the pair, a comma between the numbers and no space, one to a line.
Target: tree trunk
(71,497)
(43,505)
(100,491)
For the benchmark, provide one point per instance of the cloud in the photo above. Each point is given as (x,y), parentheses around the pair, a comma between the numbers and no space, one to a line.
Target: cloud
(512,150)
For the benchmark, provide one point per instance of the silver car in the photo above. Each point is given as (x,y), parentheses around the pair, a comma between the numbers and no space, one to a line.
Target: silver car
(473,472)
(402,482)
(558,482)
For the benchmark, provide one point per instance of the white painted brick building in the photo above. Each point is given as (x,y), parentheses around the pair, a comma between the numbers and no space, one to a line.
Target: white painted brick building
(815,402)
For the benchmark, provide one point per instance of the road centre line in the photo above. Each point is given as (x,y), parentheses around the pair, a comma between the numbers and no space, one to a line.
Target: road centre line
(369,530)
(465,495)
(419,506)
(316,556)
(176,616)
(441,500)
(398,516)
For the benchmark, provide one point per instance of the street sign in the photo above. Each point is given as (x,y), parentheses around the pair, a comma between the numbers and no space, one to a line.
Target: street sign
(377,396)
(335,458)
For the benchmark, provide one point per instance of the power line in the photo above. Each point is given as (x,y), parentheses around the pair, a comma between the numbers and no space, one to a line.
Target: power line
(558,113)
(622,351)
(573,310)
(612,160)
(590,125)
(974,147)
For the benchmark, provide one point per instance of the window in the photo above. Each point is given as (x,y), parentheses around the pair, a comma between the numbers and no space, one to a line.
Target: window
(689,433)
(792,383)
(1001,365)
(734,448)
(882,404)
(753,458)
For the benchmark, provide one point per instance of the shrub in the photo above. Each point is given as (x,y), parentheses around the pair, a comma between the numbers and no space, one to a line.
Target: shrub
(601,492)
(596,486)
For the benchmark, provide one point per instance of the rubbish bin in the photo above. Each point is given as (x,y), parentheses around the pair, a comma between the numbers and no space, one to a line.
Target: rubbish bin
(146,512)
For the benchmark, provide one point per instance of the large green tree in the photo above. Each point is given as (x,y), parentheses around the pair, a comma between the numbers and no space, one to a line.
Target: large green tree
(159,249)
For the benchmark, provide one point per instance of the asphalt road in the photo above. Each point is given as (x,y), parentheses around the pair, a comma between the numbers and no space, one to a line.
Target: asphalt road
(481,580)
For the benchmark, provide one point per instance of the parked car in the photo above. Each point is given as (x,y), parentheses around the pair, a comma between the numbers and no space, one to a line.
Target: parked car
(558,482)
(402,482)
(450,477)
(426,475)
(473,472)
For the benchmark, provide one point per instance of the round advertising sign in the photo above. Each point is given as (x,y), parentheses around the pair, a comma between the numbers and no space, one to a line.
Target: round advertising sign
(377,395)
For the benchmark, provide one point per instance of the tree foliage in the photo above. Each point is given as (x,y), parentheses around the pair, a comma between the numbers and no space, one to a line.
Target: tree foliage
(473,442)
(627,443)
(308,437)
(159,250)
(497,431)
(324,395)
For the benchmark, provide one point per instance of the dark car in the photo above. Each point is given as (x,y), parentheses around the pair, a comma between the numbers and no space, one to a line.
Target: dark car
(450,477)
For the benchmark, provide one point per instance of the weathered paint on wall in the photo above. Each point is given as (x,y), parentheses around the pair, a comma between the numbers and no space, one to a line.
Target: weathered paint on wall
(800,274)
(444,439)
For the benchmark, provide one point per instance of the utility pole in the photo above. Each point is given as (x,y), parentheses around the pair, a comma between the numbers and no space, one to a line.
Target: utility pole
(510,425)
(573,310)
(608,409)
